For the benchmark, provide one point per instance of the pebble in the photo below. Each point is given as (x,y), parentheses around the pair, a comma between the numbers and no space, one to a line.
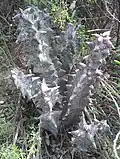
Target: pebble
(2,102)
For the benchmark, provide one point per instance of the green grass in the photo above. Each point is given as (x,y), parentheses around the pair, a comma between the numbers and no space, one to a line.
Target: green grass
(11,152)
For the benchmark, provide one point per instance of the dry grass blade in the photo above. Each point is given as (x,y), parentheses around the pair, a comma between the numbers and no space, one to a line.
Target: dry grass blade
(115,145)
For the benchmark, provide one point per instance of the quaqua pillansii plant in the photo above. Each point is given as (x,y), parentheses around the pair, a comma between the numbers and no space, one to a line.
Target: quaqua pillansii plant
(57,84)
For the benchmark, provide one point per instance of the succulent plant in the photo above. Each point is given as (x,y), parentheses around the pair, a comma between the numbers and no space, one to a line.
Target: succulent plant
(62,85)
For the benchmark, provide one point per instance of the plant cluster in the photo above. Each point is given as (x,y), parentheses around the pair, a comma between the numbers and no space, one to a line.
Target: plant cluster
(58,84)
(62,97)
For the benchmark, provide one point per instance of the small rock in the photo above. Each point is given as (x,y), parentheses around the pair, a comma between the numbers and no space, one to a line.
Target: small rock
(1,102)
